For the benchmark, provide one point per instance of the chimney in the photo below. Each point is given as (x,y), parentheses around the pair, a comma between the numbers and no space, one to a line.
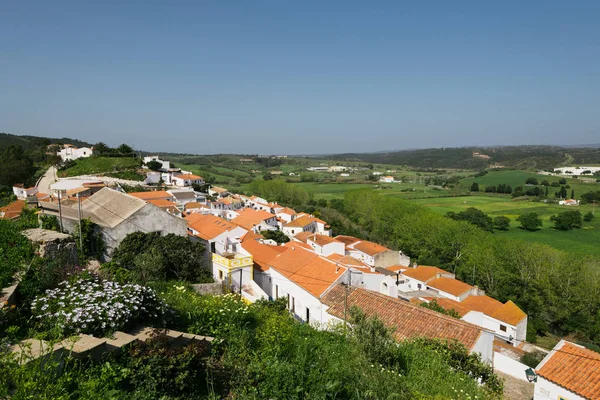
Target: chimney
(414,265)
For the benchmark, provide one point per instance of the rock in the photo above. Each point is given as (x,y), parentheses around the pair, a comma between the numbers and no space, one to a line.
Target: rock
(53,245)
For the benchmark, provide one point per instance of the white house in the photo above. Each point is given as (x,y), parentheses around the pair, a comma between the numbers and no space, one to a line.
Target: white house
(337,168)
(568,202)
(416,278)
(303,277)
(568,372)
(578,171)
(186,180)
(325,245)
(286,214)
(256,221)
(22,192)
(217,191)
(386,179)
(165,165)
(373,254)
(300,224)
(69,152)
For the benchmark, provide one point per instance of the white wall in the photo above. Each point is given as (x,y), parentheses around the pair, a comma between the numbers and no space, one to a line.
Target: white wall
(509,366)
(282,287)
(487,322)
(329,248)
(375,282)
(544,390)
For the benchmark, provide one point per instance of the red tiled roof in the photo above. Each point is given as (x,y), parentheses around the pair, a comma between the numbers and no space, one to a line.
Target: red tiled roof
(484,304)
(208,226)
(322,240)
(262,254)
(12,210)
(158,194)
(397,268)
(573,367)
(303,236)
(370,248)
(190,177)
(348,261)
(311,272)
(293,244)
(509,313)
(287,211)
(406,319)
(449,304)
(248,217)
(424,273)
(162,203)
(450,285)
(300,222)
(348,240)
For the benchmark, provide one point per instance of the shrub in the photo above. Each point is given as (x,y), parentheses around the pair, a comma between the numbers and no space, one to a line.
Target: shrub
(533,359)
(530,221)
(567,220)
(15,252)
(501,223)
(94,306)
(433,305)
(588,217)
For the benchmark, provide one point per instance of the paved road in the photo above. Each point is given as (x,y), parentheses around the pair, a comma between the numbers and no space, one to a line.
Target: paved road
(46,180)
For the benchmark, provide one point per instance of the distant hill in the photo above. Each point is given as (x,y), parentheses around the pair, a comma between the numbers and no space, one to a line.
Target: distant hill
(522,157)
(33,142)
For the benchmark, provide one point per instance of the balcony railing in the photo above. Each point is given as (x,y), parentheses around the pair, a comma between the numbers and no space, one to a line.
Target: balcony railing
(237,261)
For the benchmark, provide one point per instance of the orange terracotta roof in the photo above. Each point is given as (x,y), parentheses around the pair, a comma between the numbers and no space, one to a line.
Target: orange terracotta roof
(509,313)
(349,261)
(450,285)
(208,226)
(262,254)
(300,222)
(484,304)
(294,244)
(573,367)
(348,240)
(405,319)
(449,304)
(218,189)
(311,272)
(397,268)
(303,236)
(248,217)
(287,211)
(158,194)
(72,192)
(193,205)
(12,210)
(322,240)
(191,177)
(370,248)
(424,273)
(162,203)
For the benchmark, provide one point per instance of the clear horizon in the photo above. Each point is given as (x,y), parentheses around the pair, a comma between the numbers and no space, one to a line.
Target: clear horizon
(310,78)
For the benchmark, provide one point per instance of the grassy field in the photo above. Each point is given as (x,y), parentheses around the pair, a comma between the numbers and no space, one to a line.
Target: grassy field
(584,240)
(518,178)
(98,165)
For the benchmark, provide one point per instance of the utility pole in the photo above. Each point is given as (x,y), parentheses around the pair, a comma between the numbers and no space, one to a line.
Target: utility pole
(80,234)
(60,213)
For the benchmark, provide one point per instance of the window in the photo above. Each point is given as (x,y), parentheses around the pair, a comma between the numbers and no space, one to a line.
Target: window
(276,291)
(307,315)
(220,275)
(213,248)
(419,286)
(293,304)
(503,328)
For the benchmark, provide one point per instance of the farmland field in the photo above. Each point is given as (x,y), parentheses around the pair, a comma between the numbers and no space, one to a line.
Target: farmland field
(584,241)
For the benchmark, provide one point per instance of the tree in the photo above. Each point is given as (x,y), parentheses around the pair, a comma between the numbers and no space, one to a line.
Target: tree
(277,236)
(562,181)
(590,197)
(475,217)
(490,189)
(501,223)
(545,183)
(267,176)
(101,148)
(154,165)
(562,193)
(531,181)
(125,149)
(572,193)
(530,221)
(475,187)
(555,184)
(588,217)
(518,192)
(433,305)
(546,192)
(567,220)
(15,166)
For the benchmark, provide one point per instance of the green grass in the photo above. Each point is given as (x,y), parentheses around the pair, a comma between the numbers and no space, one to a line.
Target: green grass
(582,241)
(517,178)
(99,165)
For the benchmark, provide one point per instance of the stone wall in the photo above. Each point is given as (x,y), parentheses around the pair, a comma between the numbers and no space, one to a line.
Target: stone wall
(214,289)
(53,245)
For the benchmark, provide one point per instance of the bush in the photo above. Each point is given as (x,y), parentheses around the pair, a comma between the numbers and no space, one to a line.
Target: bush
(95,306)
(533,359)
(501,223)
(15,252)
(433,305)
(277,236)
(567,220)
(588,217)
(530,221)
(149,256)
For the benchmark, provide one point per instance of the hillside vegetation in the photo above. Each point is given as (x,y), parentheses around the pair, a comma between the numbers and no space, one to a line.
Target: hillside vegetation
(101,165)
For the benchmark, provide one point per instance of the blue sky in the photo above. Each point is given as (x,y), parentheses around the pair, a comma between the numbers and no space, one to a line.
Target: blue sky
(301,77)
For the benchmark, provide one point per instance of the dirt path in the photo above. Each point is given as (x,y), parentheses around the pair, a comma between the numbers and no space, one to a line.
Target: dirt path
(516,389)
(46,180)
